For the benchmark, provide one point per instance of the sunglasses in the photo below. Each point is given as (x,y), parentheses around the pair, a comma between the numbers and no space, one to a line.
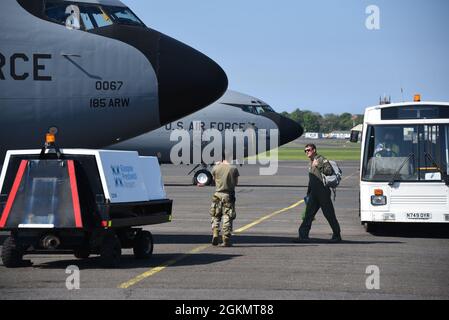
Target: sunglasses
(307,150)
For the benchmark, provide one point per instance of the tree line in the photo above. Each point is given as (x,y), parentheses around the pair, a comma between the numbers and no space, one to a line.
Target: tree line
(315,122)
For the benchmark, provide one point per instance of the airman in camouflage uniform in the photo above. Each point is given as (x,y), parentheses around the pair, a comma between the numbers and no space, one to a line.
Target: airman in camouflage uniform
(223,201)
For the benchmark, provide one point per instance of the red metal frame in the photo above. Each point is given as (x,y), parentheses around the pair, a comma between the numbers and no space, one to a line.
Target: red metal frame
(13,193)
(75,196)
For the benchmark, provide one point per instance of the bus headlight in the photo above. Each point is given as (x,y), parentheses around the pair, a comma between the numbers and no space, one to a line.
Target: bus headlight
(378,200)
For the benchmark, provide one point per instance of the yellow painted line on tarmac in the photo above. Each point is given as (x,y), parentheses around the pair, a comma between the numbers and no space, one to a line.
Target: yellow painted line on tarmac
(271,215)
(158,269)
(155,270)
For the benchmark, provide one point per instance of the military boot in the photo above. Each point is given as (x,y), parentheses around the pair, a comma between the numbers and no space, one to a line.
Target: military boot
(226,241)
(215,237)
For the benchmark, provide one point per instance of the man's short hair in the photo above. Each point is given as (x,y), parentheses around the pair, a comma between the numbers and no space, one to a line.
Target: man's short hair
(311,145)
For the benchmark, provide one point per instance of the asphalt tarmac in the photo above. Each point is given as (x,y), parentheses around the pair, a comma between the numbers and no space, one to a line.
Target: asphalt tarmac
(411,262)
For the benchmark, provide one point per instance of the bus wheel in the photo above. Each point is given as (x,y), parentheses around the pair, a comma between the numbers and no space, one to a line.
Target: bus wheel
(369,227)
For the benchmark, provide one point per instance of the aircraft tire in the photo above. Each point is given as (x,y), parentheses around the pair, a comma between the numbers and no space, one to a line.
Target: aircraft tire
(202,177)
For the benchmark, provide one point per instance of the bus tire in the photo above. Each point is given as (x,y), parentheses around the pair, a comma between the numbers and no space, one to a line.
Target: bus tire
(369,227)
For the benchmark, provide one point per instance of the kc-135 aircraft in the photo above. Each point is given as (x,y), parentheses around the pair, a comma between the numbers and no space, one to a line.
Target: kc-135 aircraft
(93,71)
(233,111)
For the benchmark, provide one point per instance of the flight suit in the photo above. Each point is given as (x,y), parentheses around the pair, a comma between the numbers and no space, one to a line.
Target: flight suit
(319,197)
(223,202)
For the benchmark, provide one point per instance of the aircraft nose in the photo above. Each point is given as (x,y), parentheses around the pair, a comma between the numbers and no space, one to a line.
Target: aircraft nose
(188,80)
(289,130)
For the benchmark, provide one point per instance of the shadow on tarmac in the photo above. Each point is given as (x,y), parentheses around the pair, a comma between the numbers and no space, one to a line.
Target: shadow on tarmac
(129,262)
(268,241)
(414,230)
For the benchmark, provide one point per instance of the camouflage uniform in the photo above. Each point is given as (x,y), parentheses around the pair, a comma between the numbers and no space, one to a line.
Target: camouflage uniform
(223,207)
(223,201)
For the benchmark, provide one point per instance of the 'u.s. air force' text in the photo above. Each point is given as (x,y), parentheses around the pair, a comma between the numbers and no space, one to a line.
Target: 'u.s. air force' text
(201,125)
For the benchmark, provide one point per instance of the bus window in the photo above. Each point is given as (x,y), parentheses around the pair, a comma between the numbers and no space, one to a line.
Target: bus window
(434,155)
(415,112)
(389,149)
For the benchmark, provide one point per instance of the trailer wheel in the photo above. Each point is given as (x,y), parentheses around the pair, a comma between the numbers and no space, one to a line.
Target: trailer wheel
(12,254)
(110,251)
(143,245)
(202,177)
(82,253)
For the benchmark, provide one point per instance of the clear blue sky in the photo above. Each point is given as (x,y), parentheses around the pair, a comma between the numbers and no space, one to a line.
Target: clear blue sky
(315,55)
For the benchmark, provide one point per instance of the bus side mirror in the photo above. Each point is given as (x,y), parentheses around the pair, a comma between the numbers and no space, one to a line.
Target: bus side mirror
(354,136)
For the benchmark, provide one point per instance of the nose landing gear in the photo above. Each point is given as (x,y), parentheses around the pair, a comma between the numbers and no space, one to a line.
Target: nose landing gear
(202,177)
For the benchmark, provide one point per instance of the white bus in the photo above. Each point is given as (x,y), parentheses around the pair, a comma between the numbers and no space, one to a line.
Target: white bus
(404,164)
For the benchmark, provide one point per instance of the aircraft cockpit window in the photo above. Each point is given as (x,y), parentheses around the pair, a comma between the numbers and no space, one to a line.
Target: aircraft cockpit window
(100,17)
(249,109)
(256,109)
(253,109)
(62,13)
(260,110)
(267,108)
(87,22)
(122,15)
(77,16)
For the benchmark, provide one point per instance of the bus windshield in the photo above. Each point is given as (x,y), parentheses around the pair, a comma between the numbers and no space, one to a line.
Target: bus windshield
(406,153)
